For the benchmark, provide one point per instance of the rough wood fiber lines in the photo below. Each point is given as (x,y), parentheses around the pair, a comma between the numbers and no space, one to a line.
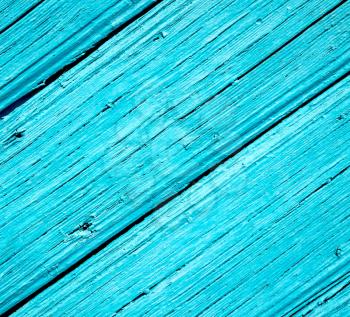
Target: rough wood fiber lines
(85,191)
(13,11)
(68,123)
(316,304)
(28,69)
(267,195)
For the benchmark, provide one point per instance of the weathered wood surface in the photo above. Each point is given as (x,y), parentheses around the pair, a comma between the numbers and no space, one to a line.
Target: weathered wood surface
(139,120)
(53,35)
(11,11)
(265,234)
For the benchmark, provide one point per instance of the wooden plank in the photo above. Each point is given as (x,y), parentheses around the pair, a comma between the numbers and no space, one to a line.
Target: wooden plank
(76,173)
(334,300)
(55,34)
(11,11)
(265,234)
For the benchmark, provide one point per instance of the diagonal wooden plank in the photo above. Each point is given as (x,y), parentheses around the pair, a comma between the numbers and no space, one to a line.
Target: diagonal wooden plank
(265,234)
(76,174)
(332,300)
(54,37)
(331,306)
(12,11)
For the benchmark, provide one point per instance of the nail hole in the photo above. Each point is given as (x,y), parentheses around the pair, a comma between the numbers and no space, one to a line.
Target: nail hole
(18,134)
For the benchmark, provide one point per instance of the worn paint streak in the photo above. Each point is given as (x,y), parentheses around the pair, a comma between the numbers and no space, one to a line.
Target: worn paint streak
(180,157)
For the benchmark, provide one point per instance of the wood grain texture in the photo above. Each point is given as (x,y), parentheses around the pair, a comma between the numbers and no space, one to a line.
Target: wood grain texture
(55,34)
(109,141)
(265,234)
(11,11)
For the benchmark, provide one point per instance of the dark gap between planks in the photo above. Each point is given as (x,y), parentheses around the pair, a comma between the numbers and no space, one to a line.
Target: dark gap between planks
(23,15)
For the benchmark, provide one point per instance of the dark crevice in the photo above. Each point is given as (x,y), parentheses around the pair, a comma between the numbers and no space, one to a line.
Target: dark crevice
(18,134)
(206,101)
(148,290)
(190,184)
(324,184)
(19,102)
(144,293)
(15,136)
(23,15)
(327,299)
(83,227)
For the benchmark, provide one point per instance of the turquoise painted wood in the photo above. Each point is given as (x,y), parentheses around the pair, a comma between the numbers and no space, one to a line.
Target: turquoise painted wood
(11,11)
(196,162)
(53,35)
(265,234)
(95,170)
